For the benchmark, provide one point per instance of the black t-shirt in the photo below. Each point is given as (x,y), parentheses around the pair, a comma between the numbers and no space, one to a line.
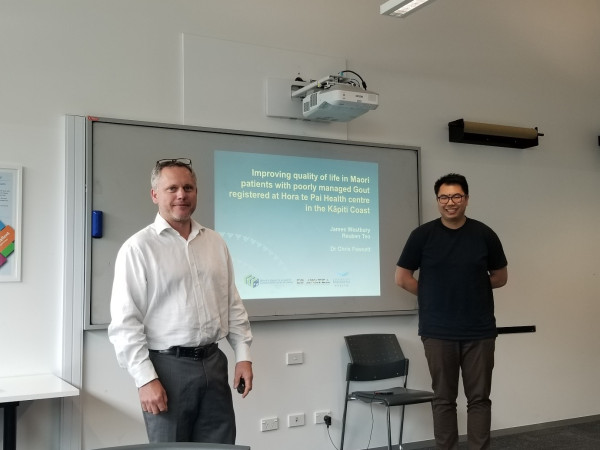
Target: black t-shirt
(455,295)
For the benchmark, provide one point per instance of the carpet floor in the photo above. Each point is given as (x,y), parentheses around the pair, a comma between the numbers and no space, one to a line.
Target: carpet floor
(579,436)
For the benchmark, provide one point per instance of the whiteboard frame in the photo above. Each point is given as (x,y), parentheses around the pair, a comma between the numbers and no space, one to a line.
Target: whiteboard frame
(87,151)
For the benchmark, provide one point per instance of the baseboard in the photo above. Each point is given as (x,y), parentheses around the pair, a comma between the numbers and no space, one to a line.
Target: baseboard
(503,432)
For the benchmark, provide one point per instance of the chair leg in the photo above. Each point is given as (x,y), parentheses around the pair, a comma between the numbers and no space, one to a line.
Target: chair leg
(389,429)
(344,422)
(401,426)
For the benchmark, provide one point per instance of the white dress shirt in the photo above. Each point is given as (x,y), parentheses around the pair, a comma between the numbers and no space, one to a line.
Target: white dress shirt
(168,291)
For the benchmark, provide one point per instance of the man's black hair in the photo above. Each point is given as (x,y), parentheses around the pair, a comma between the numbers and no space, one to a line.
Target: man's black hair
(452,178)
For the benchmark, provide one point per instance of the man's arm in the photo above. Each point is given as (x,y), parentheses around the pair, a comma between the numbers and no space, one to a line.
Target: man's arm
(406,280)
(239,335)
(499,277)
(126,330)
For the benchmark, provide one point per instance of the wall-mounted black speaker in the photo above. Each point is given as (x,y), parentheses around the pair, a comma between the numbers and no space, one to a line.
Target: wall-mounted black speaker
(477,133)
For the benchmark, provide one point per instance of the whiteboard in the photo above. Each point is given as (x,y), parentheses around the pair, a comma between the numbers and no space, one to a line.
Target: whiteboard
(122,153)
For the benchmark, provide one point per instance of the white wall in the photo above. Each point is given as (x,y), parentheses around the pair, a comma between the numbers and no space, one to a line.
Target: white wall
(522,63)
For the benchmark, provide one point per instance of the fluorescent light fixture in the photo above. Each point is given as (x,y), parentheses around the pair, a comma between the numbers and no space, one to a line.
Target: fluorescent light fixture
(401,8)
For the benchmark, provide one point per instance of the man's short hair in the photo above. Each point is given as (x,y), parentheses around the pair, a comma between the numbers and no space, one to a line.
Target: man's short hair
(162,163)
(452,178)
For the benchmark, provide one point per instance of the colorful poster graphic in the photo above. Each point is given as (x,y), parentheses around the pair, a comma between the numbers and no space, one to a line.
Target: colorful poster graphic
(10,211)
(7,242)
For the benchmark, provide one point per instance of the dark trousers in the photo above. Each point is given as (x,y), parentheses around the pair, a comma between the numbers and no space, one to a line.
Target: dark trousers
(200,406)
(446,359)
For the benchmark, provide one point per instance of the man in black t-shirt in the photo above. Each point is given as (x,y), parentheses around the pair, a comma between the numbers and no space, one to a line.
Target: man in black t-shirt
(460,261)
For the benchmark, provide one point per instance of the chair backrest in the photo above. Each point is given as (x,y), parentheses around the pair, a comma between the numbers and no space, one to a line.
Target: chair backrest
(375,357)
(178,446)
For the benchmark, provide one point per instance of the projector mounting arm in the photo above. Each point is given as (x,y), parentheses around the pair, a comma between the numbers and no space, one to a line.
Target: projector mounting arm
(323,83)
(309,87)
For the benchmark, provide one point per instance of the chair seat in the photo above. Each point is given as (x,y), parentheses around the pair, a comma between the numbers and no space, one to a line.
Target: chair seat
(397,396)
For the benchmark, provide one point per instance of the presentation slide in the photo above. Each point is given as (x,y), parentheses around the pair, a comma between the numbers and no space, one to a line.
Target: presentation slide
(299,226)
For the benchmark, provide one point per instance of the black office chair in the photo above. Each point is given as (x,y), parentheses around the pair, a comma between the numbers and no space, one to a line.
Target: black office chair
(379,357)
(178,446)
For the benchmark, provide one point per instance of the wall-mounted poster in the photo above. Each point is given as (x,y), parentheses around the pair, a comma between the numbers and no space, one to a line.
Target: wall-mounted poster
(10,222)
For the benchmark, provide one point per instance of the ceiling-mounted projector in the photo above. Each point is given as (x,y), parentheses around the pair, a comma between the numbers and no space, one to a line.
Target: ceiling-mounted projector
(336,99)
(339,103)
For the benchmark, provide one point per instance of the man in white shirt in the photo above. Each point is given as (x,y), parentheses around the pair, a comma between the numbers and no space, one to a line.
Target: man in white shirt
(173,298)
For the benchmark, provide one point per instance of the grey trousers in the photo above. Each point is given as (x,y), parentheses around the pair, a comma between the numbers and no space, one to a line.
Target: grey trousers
(446,359)
(199,401)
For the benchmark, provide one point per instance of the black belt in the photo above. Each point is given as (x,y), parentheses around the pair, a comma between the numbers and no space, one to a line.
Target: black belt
(196,353)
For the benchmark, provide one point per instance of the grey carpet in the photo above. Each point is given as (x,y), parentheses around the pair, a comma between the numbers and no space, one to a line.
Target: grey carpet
(579,436)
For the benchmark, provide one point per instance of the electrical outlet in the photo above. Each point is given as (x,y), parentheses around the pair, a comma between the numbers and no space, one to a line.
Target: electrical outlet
(269,424)
(320,416)
(294,358)
(295,420)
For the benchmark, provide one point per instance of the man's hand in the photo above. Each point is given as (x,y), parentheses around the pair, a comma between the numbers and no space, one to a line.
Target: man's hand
(153,397)
(243,369)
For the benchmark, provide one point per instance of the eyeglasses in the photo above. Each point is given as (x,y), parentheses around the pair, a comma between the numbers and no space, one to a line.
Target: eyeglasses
(456,198)
(173,162)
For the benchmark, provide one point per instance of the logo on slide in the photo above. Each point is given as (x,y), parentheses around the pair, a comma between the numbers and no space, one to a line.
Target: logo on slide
(7,242)
(252,281)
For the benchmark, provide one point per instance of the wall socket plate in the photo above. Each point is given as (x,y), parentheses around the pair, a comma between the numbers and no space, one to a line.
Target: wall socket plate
(320,416)
(269,424)
(296,420)
(294,358)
